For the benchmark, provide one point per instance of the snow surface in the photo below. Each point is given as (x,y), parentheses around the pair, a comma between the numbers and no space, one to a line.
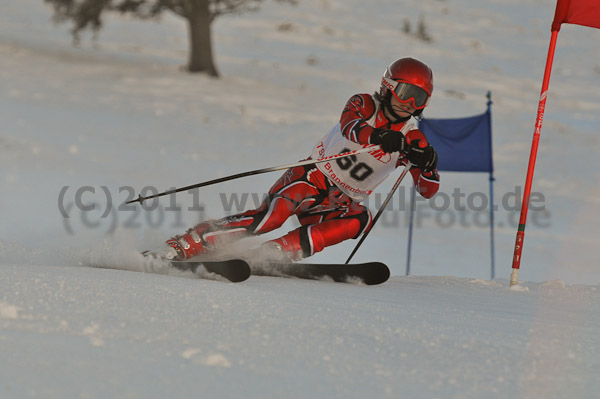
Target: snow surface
(120,113)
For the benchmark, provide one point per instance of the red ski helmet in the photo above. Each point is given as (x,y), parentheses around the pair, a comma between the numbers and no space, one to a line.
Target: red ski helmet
(409,80)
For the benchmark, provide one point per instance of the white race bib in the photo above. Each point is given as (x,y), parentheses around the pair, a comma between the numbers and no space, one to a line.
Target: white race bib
(356,175)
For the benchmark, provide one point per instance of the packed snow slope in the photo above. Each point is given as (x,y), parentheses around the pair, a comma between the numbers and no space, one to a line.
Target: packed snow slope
(73,332)
(84,128)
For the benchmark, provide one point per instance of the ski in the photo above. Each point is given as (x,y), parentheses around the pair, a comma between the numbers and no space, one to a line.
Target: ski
(370,273)
(234,270)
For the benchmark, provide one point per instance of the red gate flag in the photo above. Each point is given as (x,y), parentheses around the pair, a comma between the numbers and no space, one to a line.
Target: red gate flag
(578,12)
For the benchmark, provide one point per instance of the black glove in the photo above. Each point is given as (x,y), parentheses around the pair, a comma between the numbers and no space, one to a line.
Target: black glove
(423,158)
(389,140)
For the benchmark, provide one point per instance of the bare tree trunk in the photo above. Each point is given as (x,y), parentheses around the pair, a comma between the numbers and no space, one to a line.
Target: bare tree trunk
(200,54)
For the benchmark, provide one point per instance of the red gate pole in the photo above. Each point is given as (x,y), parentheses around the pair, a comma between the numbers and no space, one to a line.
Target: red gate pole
(514,276)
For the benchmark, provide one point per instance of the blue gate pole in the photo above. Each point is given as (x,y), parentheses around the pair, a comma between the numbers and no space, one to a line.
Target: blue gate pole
(492,241)
(410,229)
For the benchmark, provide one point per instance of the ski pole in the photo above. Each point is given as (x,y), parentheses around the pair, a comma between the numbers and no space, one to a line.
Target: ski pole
(380,212)
(141,199)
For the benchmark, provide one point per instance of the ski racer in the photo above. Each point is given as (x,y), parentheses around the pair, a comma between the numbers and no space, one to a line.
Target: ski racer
(326,197)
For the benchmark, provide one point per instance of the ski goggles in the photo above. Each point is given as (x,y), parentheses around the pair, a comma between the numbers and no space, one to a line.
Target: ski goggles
(405,92)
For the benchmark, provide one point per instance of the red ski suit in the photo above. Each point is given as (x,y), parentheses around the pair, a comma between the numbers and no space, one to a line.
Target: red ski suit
(327,211)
